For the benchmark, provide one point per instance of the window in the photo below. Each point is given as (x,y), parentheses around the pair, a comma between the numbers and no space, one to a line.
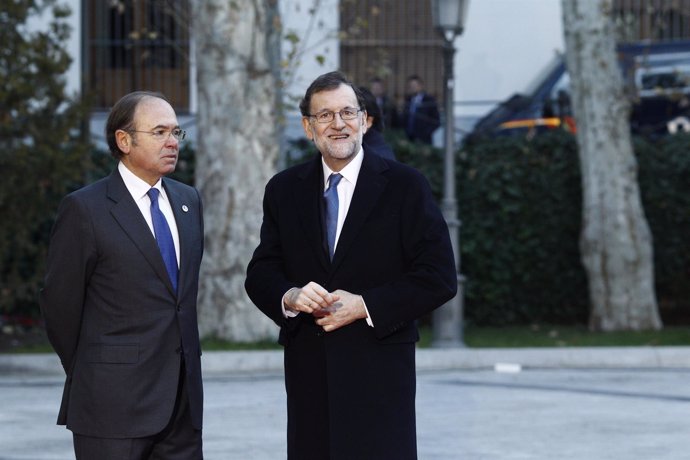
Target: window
(137,45)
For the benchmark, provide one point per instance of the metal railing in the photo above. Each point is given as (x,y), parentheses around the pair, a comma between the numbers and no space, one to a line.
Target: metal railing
(135,45)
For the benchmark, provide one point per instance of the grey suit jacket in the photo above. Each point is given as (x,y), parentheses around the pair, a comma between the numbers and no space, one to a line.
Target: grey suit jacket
(111,314)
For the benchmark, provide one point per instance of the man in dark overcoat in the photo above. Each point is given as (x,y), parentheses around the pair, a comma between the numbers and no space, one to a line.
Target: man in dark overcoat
(347,284)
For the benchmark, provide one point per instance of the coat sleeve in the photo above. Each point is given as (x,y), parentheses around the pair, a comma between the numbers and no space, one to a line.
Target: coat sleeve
(429,276)
(71,257)
(266,282)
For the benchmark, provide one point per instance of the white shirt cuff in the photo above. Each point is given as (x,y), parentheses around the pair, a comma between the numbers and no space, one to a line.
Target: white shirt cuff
(369,321)
(287,313)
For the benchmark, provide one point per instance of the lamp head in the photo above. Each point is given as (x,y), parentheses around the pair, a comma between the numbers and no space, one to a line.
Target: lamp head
(448,17)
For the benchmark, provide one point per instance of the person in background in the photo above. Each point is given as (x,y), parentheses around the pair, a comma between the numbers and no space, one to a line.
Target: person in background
(373,140)
(120,294)
(353,250)
(389,114)
(420,117)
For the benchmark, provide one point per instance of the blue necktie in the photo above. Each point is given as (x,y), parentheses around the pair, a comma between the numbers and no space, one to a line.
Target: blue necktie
(331,199)
(163,237)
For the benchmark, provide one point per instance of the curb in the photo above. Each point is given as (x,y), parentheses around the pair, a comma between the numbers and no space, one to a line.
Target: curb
(555,358)
(219,363)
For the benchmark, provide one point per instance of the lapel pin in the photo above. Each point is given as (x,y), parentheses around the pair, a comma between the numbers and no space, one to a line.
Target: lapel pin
(185,208)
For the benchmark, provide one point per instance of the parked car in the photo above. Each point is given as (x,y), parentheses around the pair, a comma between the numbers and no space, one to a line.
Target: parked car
(656,77)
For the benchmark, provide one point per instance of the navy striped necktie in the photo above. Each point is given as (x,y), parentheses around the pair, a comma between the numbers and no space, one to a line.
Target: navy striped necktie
(331,199)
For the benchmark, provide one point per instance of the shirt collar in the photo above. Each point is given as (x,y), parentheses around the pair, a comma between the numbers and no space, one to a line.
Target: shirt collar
(349,172)
(137,187)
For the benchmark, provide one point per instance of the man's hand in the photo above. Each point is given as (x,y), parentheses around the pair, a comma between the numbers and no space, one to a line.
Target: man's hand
(348,309)
(312,298)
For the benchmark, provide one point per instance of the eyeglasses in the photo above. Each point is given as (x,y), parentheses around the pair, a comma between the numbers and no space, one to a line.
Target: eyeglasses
(327,116)
(163,134)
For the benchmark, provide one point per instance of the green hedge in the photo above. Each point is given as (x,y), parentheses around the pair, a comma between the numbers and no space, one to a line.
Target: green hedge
(520,206)
(664,175)
(35,177)
(519,203)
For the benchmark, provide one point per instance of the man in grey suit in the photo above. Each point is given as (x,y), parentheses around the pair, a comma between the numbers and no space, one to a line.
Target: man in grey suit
(120,293)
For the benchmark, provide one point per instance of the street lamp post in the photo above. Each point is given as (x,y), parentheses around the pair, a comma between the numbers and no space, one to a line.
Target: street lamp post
(448,18)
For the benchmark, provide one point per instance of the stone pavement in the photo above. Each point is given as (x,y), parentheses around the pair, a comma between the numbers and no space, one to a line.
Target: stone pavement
(565,404)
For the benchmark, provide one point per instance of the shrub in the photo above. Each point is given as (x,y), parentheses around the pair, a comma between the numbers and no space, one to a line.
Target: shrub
(520,202)
(664,176)
(42,155)
(520,207)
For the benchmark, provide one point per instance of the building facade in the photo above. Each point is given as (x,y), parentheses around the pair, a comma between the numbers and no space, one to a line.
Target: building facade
(123,45)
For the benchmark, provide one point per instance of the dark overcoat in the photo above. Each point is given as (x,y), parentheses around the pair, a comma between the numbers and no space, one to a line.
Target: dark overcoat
(351,392)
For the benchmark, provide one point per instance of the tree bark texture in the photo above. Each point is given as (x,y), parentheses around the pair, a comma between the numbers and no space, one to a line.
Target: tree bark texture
(616,243)
(237,51)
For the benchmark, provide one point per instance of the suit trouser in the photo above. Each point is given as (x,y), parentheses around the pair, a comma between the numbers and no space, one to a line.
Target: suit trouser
(179,440)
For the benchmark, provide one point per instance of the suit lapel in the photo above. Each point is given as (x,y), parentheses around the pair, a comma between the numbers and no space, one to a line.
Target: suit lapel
(309,190)
(370,185)
(129,217)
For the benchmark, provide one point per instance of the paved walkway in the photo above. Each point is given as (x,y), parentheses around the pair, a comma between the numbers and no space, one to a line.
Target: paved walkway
(573,404)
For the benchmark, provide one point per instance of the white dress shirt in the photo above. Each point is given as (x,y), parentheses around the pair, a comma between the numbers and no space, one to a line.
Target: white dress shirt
(139,188)
(346,188)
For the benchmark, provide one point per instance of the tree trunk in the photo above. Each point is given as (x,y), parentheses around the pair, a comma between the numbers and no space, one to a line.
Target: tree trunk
(237,51)
(616,243)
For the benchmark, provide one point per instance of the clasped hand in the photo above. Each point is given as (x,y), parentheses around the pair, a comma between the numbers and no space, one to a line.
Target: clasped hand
(332,310)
